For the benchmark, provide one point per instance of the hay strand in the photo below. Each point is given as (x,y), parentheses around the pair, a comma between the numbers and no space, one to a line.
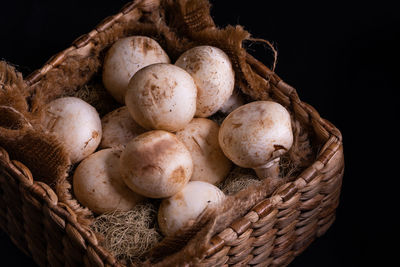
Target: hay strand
(129,235)
(237,180)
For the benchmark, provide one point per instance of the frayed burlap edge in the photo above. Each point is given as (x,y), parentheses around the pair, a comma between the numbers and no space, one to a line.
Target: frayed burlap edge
(12,88)
(26,142)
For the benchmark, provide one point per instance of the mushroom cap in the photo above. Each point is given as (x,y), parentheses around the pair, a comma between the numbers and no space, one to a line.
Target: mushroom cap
(98,184)
(75,123)
(213,74)
(125,57)
(156,164)
(162,97)
(210,164)
(119,128)
(184,207)
(256,133)
(234,101)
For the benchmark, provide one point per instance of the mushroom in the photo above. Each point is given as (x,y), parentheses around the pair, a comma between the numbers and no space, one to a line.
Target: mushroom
(75,123)
(182,209)
(255,135)
(125,57)
(162,97)
(119,128)
(210,164)
(156,164)
(213,74)
(98,184)
(234,101)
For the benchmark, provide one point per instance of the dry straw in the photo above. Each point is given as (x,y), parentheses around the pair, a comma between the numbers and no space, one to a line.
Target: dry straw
(237,180)
(129,234)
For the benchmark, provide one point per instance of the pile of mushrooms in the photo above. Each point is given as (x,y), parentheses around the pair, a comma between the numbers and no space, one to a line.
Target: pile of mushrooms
(161,143)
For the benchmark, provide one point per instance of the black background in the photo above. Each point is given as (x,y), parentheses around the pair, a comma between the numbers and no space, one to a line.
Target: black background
(342,58)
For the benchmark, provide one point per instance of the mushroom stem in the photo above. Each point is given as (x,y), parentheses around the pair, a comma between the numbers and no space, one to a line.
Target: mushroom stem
(271,169)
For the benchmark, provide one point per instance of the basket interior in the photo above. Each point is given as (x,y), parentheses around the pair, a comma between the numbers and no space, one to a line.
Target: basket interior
(300,157)
(79,74)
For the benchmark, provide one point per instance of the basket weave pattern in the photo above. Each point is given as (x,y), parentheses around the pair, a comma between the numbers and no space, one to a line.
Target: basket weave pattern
(271,233)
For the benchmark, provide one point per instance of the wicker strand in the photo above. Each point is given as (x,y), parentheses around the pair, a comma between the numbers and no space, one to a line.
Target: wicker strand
(39,198)
(296,225)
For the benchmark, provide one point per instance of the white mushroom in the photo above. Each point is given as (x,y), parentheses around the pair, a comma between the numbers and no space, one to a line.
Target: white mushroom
(234,101)
(76,124)
(162,97)
(156,164)
(119,128)
(255,135)
(125,57)
(213,74)
(210,164)
(182,209)
(98,185)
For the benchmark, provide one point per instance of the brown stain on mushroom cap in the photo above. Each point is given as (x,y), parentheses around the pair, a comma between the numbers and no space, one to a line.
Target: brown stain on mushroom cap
(178,196)
(154,150)
(193,64)
(193,61)
(158,94)
(95,134)
(197,58)
(145,44)
(162,146)
(179,199)
(178,175)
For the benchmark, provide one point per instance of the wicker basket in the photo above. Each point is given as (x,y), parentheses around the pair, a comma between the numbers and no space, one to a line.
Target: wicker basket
(271,233)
